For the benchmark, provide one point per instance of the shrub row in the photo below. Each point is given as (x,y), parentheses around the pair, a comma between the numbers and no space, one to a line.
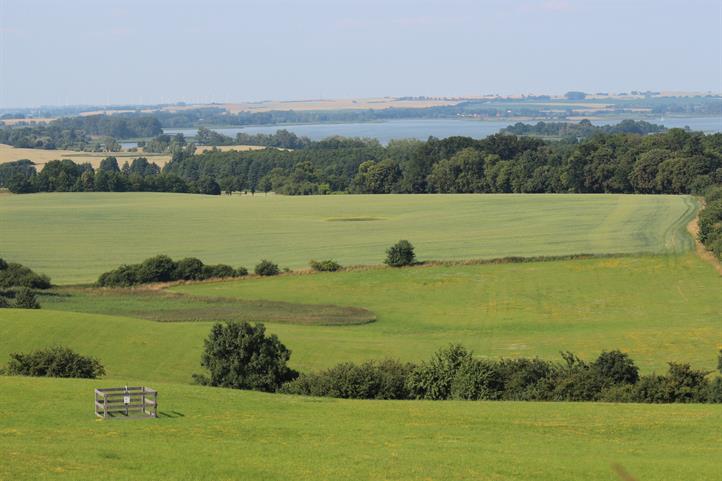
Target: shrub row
(453,373)
(710,221)
(162,268)
(325,266)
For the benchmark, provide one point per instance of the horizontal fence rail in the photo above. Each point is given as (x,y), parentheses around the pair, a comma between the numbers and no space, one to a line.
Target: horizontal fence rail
(126,402)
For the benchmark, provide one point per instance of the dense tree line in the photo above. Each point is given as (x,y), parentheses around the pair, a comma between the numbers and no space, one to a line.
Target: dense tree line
(119,126)
(95,133)
(673,162)
(582,129)
(46,137)
(281,139)
(329,165)
(139,175)
(710,221)
(164,143)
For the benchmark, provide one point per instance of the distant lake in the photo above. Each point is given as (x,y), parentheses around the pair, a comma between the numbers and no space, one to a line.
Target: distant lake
(423,128)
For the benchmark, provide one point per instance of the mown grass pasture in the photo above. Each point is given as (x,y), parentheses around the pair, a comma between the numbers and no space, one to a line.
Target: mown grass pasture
(227,434)
(75,237)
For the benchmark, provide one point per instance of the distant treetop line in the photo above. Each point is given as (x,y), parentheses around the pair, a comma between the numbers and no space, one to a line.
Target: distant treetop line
(619,159)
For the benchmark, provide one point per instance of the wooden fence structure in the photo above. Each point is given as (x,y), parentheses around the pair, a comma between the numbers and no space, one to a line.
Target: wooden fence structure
(126,402)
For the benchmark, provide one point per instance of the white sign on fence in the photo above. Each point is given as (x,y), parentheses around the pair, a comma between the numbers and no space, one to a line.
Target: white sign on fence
(126,399)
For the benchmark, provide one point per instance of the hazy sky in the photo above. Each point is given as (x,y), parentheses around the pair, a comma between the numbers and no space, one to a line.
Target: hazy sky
(133,51)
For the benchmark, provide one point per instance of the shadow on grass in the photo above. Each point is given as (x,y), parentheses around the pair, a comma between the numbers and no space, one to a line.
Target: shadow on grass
(170,414)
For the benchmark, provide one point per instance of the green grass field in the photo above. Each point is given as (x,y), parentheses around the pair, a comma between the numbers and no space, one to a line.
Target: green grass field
(658,307)
(75,237)
(47,431)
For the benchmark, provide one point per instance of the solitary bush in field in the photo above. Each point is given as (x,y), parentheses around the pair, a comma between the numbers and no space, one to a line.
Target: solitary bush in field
(240,355)
(266,268)
(400,254)
(54,362)
(25,299)
(325,266)
(241,271)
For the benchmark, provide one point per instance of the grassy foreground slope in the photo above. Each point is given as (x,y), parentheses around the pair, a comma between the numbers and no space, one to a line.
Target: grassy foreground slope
(657,308)
(48,431)
(73,237)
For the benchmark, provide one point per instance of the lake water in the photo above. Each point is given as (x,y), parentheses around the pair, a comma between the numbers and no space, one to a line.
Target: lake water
(423,128)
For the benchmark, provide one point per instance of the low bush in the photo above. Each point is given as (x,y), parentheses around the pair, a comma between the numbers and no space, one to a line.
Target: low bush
(370,380)
(162,268)
(266,268)
(54,362)
(325,266)
(17,275)
(400,254)
(434,379)
(217,271)
(25,299)
(4,303)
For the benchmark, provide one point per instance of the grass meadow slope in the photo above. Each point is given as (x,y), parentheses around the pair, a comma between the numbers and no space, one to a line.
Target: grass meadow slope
(657,308)
(48,432)
(663,305)
(75,237)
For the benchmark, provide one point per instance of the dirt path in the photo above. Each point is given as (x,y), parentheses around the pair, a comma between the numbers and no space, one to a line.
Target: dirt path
(702,252)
